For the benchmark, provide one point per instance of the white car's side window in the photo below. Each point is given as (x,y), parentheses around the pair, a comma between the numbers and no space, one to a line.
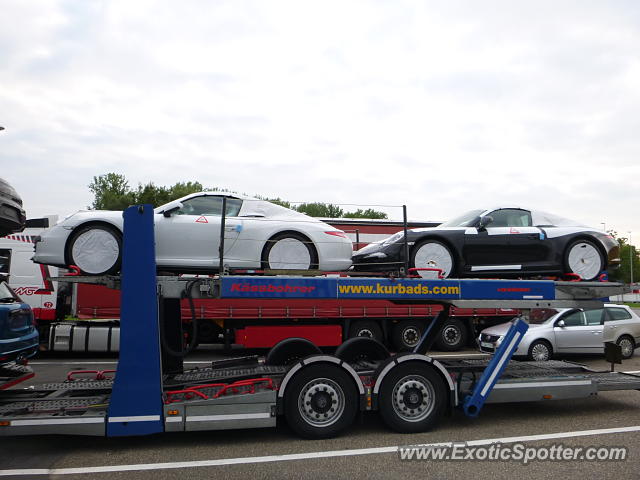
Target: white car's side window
(209,205)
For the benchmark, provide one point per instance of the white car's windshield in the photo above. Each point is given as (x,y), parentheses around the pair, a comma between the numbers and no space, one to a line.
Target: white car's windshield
(464,220)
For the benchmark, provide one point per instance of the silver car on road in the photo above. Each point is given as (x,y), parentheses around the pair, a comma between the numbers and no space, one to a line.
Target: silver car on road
(570,330)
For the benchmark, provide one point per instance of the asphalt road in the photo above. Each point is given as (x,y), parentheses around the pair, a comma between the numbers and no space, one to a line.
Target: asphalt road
(368,450)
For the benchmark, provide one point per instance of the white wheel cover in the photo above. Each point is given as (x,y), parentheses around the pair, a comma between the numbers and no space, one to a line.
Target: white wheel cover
(584,259)
(289,253)
(95,251)
(433,255)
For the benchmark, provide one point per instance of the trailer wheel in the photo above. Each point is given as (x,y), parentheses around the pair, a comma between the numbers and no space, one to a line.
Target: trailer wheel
(406,334)
(413,398)
(290,350)
(453,335)
(366,328)
(321,401)
(361,348)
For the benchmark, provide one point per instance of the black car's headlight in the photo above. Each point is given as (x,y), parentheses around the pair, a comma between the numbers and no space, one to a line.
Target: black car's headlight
(393,239)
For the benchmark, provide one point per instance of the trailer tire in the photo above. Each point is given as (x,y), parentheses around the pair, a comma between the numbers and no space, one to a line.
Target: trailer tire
(453,335)
(320,401)
(366,328)
(406,335)
(417,385)
(290,350)
(362,348)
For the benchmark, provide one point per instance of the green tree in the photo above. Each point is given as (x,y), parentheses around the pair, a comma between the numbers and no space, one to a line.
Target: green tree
(368,213)
(628,256)
(111,192)
(324,210)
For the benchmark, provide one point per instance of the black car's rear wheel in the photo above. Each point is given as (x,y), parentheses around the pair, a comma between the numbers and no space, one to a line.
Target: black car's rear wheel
(432,254)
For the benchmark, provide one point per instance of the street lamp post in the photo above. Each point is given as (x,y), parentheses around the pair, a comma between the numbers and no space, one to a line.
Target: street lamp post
(630,261)
(604,226)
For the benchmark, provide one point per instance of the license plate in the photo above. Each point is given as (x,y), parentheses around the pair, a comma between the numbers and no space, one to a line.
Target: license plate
(486,344)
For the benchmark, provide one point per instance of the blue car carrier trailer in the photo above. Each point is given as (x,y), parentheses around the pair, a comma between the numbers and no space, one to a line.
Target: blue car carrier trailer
(319,395)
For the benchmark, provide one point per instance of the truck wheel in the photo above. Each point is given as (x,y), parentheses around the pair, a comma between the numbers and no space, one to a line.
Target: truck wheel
(95,249)
(453,336)
(412,398)
(406,334)
(366,328)
(321,401)
(208,331)
(290,350)
(361,348)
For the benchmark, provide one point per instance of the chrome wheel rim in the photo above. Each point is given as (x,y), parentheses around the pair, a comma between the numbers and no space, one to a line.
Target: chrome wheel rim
(626,346)
(540,352)
(410,336)
(450,335)
(321,402)
(365,332)
(413,398)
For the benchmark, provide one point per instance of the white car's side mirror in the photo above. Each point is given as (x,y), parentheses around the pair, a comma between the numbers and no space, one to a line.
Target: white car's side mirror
(167,212)
(561,324)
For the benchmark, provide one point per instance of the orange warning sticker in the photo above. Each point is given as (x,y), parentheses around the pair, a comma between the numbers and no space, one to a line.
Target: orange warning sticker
(202,219)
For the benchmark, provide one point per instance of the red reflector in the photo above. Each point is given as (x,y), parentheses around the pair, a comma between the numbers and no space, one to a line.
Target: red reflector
(337,233)
(4,358)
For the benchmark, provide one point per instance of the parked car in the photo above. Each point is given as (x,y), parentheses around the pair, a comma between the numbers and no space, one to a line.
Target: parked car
(12,216)
(505,241)
(18,334)
(570,330)
(257,234)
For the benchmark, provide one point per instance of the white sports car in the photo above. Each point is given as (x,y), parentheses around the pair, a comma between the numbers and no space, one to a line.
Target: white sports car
(258,234)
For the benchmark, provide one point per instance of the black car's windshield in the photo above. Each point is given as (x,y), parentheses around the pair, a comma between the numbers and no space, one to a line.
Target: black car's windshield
(464,220)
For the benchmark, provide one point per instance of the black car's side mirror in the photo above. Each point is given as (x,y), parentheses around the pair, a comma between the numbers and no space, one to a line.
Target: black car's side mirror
(484,221)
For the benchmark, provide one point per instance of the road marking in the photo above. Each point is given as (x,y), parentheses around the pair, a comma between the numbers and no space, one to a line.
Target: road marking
(304,456)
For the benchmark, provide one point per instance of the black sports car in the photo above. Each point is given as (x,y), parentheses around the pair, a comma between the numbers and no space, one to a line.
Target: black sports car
(12,217)
(506,241)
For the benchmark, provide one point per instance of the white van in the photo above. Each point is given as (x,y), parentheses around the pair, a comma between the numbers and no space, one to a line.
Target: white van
(32,282)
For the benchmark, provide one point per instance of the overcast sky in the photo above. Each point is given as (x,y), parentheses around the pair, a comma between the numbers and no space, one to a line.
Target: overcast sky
(442,106)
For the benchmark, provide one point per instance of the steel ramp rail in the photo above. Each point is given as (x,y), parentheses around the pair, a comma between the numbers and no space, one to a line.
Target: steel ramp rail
(473,403)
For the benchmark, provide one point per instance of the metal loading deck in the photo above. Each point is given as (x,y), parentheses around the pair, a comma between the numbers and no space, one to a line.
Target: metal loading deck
(318,394)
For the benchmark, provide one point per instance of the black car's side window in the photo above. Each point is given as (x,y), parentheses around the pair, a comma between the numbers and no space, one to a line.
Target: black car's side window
(510,217)
(574,319)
